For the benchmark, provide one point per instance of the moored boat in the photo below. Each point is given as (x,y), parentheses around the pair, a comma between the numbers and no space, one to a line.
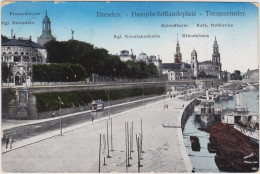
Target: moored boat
(242,120)
(207,111)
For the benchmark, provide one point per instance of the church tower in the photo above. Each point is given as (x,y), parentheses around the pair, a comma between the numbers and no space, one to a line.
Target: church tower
(178,55)
(215,55)
(194,63)
(46,31)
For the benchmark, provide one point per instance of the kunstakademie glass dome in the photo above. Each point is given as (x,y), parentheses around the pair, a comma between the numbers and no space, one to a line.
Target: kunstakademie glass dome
(142,57)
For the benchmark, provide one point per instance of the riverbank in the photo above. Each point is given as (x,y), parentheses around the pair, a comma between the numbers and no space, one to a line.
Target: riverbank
(77,150)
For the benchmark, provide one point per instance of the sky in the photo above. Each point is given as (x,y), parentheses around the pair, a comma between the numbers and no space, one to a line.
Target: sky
(238,45)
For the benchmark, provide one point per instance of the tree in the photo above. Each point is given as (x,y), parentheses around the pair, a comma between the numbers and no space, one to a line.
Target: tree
(152,71)
(6,72)
(59,72)
(96,60)
(236,75)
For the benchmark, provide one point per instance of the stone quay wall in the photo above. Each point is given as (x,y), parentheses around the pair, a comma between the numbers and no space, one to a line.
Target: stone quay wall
(23,105)
(188,111)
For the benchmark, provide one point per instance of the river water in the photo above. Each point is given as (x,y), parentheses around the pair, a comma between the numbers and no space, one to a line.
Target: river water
(203,161)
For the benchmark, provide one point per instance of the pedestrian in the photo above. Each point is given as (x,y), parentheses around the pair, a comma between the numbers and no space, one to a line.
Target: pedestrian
(53,115)
(92,118)
(7,141)
(11,142)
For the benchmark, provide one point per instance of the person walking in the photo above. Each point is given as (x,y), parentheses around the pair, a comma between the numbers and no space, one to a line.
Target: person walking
(7,141)
(53,115)
(11,142)
(92,118)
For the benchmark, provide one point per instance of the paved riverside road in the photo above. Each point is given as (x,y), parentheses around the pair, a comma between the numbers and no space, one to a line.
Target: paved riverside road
(77,151)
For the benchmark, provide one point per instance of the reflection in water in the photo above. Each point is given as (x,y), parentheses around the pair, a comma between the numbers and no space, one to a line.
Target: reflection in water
(202,160)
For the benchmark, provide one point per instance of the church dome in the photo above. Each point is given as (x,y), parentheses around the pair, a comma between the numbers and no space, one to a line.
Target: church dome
(194,52)
(142,57)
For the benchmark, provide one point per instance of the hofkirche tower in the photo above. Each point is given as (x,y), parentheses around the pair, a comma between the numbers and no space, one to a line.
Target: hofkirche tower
(216,54)
(46,31)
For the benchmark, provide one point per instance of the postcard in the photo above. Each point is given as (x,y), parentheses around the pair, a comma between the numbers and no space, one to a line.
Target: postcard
(138,86)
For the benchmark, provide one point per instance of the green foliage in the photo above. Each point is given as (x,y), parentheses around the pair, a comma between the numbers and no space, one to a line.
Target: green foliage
(8,97)
(97,60)
(6,72)
(58,72)
(236,75)
(50,101)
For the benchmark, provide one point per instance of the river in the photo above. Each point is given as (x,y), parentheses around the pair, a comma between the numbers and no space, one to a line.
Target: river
(203,161)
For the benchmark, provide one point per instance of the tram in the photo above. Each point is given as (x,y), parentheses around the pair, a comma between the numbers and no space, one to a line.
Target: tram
(97,105)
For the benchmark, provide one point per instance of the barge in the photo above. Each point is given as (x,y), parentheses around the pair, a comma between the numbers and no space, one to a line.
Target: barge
(234,150)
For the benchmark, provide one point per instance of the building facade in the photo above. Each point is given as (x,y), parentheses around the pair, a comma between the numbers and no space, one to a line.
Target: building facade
(157,62)
(251,76)
(46,31)
(177,70)
(126,56)
(209,68)
(20,54)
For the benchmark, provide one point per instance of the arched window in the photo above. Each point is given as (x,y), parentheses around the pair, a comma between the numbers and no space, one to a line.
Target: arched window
(25,59)
(33,59)
(17,58)
(39,59)
(22,53)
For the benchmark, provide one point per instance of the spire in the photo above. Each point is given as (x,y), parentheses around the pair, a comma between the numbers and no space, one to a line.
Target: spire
(215,40)
(177,40)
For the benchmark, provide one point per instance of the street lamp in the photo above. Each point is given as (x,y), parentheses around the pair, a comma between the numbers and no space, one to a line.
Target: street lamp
(61,103)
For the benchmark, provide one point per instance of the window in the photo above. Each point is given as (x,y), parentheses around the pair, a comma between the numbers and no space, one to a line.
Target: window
(17,58)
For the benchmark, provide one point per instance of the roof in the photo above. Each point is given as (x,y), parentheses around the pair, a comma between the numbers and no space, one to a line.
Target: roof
(174,66)
(206,62)
(21,42)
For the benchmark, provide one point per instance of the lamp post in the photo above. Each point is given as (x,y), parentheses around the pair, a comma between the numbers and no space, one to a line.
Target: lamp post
(61,103)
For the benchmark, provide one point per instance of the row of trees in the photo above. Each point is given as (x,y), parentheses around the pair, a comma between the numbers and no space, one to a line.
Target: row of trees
(58,72)
(97,60)
(49,101)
